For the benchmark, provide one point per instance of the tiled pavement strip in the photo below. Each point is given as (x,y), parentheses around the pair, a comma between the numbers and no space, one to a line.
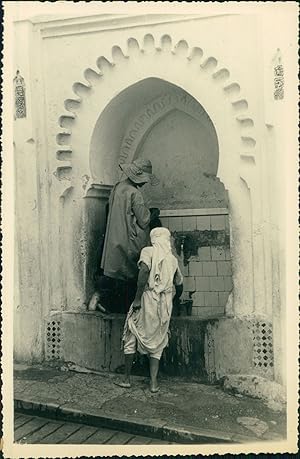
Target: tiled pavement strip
(39,430)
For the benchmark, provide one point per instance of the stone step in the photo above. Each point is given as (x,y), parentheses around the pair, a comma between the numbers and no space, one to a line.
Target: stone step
(91,340)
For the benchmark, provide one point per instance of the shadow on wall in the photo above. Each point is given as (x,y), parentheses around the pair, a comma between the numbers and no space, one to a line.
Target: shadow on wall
(157,120)
(184,152)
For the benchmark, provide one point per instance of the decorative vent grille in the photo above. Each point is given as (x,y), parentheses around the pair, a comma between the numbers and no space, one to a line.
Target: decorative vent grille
(20,102)
(278,82)
(263,345)
(53,340)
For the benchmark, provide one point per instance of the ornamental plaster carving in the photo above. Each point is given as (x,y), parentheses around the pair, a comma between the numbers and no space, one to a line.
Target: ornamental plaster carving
(200,67)
(151,114)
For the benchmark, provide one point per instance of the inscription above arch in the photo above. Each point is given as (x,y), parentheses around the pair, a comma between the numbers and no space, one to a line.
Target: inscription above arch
(153,112)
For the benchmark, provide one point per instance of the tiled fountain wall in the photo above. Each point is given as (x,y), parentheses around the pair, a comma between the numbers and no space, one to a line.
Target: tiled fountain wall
(202,242)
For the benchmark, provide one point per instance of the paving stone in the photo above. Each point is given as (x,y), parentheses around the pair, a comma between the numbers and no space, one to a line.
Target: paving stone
(177,400)
(120,438)
(254,424)
(21,433)
(46,430)
(258,387)
(271,436)
(60,434)
(80,435)
(275,406)
(140,441)
(100,437)
(237,438)
(21,420)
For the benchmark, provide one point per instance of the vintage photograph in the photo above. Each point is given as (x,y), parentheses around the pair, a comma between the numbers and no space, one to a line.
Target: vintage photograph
(152,303)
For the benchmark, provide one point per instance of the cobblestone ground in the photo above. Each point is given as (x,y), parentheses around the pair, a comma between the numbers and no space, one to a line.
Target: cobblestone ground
(177,404)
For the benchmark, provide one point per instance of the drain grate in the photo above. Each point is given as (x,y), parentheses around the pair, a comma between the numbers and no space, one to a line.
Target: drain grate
(263,345)
(53,340)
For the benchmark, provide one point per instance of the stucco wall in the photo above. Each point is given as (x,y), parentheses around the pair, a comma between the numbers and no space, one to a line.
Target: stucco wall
(177,69)
(30,305)
(231,349)
(234,89)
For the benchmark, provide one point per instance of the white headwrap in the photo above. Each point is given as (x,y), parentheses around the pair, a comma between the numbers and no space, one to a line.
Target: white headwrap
(161,242)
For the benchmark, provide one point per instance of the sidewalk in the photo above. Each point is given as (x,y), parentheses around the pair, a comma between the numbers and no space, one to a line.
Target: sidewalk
(184,412)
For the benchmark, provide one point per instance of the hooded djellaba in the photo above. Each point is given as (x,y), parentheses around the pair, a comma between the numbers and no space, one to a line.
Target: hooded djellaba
(129,223)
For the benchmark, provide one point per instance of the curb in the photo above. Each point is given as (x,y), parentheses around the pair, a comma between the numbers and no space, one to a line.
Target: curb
(138,426)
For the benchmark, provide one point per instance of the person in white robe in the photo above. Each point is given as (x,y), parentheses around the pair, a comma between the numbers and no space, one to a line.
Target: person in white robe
(147,323)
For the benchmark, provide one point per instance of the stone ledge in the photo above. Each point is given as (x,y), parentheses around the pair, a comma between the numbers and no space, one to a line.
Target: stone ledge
(93,340)
(193,212)
(121,317)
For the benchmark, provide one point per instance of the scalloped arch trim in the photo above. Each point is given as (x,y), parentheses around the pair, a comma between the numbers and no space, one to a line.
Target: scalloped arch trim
(209,65)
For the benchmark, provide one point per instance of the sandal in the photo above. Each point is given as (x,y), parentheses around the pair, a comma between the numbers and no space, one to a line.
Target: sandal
(156,389)
(122,384)
(102,309)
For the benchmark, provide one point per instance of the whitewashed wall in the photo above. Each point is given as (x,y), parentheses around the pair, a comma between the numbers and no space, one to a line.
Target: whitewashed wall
(218,60)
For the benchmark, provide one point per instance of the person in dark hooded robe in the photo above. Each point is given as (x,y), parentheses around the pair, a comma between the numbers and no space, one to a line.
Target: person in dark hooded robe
(127,232)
